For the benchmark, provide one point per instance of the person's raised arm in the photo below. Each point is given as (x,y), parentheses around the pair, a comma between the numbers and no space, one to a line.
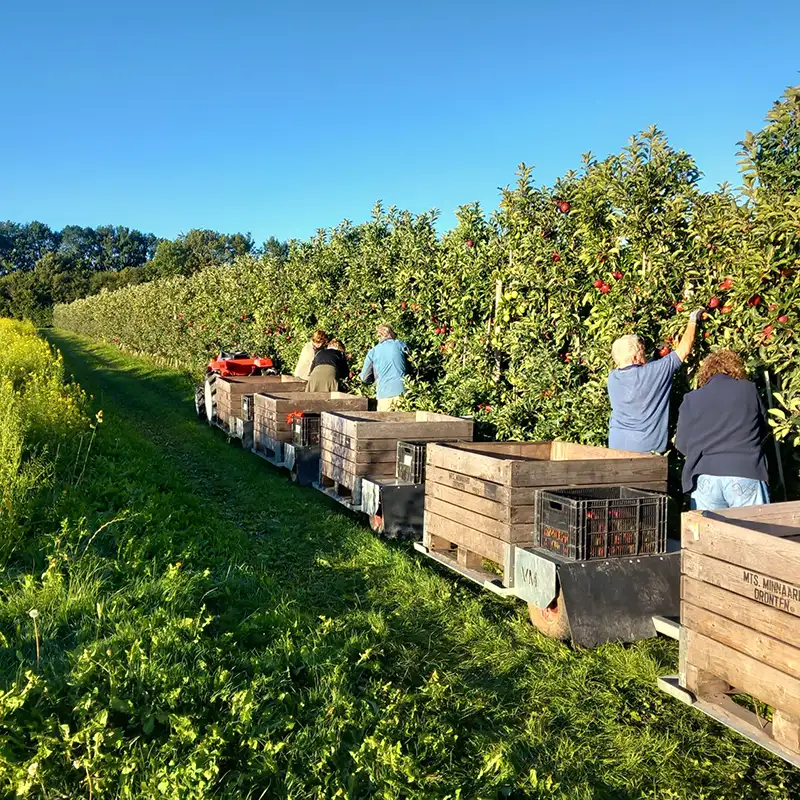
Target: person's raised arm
(686,343)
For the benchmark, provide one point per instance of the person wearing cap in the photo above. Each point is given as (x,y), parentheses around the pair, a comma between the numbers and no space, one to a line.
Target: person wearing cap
(386,365)
(639,392)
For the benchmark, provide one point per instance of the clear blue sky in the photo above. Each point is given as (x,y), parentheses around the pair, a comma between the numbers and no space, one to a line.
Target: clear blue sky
(279,118)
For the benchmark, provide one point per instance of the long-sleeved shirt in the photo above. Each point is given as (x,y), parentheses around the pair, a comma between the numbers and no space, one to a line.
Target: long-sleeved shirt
(303,368)
(721,431)
(386,364)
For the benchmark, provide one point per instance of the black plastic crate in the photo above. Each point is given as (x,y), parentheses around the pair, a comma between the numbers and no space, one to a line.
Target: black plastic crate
(247,407)
(609,522)
(305,430)
(411,462)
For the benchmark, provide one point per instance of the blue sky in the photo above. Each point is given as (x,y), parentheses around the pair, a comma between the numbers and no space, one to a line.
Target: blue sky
(280,118)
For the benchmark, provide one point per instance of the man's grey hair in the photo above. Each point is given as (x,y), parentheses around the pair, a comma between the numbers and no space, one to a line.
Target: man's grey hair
(625,349)
(386,332)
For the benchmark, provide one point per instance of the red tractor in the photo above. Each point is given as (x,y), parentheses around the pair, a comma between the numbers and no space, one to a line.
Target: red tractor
(228,363)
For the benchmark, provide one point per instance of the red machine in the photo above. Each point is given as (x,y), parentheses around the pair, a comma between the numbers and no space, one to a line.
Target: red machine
(233,362)
(229,363)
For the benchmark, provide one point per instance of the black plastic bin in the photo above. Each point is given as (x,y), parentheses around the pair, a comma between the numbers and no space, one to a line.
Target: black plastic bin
(411,462)
(609,522)
(247,407)
(305,430)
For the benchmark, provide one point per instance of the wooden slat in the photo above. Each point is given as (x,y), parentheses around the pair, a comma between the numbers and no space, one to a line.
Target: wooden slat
(500,530)
(468,483)
(338,474)
(765,619)
(593,472)
(310,402)
(747,674)
(719,627)
(363,470)
(754,584)
(360,457)
(738,544)
(420,425)
(481,505)
(475,464)
(480,543)
(360,445)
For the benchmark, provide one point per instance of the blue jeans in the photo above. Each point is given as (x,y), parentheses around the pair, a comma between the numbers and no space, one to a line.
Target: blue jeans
(714,492)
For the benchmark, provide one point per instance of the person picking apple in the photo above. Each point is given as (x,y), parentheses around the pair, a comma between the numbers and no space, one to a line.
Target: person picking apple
(639,392)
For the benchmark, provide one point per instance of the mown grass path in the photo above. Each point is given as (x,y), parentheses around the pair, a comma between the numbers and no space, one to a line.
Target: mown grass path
(269,645)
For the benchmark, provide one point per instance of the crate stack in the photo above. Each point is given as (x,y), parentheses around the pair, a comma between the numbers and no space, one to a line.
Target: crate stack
(271,424)
(230,391)
(481,497)
(740,614)
(358,445)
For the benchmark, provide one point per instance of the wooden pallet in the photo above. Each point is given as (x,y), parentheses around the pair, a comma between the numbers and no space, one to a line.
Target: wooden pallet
(357,445)
(347,495)
(479,496)
(740,615)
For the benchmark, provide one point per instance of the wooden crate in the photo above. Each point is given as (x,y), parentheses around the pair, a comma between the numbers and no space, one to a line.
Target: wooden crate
(230,390)
(271,410)
(740,612)
(364,444)
(479,497)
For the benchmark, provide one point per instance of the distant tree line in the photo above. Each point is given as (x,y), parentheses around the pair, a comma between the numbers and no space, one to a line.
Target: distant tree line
(40,267)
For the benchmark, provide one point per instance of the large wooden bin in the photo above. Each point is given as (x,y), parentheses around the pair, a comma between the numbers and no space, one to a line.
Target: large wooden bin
(230,391)
(270,411)
(740,612)
(480,496)
(364,444)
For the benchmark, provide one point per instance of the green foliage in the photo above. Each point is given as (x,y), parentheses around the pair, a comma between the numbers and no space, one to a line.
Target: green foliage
(207,629)
(197,250)
(511,317)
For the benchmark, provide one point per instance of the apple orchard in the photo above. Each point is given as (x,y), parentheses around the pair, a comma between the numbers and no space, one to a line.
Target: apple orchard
(511,316)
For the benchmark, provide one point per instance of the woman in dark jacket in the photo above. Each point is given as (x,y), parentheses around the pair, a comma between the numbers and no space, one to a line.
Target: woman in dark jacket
(721,431)
(328,368)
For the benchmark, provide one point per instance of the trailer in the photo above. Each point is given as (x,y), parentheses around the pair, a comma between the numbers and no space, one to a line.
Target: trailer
(370,464)
(484,503)
(739,630)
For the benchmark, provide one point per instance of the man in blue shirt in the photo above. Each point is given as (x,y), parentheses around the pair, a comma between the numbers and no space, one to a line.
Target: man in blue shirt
(639,392)
(386,365)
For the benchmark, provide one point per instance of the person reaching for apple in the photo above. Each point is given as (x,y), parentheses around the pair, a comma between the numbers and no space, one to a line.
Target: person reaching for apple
(639,392)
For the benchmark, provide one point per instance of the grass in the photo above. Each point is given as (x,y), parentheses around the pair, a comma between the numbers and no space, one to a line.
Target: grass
(208,629)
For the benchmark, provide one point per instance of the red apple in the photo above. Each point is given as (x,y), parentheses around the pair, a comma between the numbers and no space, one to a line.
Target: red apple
(783,319)
(617,275)
(664,351)
(470,243)
(556,257)
(713,302)
(726,309)
(598,283)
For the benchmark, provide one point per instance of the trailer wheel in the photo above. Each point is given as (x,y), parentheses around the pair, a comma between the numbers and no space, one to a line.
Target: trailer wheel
(210,395)
(376,523)
(200,402)
(551,621)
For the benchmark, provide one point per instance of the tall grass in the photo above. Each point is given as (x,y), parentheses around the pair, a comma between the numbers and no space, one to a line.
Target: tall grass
(41,422)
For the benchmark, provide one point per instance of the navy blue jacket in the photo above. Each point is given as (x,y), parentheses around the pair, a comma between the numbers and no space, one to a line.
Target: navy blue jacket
(721,431)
